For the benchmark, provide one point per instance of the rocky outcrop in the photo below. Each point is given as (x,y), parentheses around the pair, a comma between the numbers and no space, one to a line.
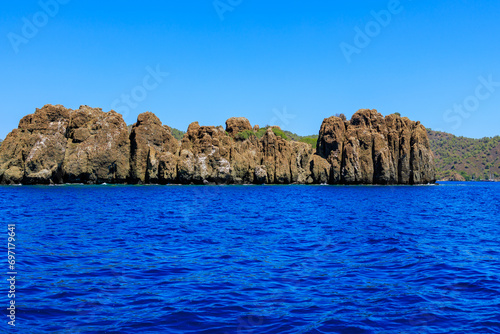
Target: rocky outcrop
(371,149)
(205,155)
(34,152)
(236,125)
(59,145)
(98,147)
(153,151)
(454,177)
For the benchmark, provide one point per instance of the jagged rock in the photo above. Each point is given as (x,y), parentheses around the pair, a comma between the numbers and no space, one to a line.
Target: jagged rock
(320,170)
(421,157)
(87,145)
(286,161)
(98,147)
(260,175)
(153,151)
(33,153)
(371,149)
(331,145)
(236,125)
(399,138)
(205,155)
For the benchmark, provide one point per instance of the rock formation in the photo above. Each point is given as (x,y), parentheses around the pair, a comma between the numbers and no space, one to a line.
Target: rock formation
(58,145)
(371,149)
(97,149)
(153,151)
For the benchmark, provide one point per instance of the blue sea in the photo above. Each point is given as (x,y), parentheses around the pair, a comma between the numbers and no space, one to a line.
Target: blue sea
(254,259)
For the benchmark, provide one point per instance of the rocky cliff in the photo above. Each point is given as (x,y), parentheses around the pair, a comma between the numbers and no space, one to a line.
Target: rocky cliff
(58,145)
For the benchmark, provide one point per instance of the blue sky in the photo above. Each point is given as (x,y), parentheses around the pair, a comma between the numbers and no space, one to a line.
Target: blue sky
(280,62)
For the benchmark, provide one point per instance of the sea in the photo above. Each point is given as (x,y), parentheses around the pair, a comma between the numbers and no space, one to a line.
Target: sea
(251,259)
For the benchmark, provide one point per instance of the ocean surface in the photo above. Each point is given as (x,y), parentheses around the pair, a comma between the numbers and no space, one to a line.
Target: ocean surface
(254,259)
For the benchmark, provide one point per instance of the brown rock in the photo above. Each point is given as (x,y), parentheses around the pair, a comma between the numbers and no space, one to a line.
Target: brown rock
(455,177)
(261,175)
(320,170)
(421,157)
(331,145)
(205,155)
(153,151)
(236,125)
(33,153)
(98,147)
(372,149)
(88,145)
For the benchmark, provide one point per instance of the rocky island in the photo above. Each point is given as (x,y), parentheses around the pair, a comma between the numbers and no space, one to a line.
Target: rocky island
(57,145)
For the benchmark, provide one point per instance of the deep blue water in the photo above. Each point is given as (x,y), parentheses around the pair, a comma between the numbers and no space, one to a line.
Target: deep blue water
(255,259)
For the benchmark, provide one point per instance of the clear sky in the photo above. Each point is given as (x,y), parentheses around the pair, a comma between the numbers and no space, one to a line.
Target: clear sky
(289,63)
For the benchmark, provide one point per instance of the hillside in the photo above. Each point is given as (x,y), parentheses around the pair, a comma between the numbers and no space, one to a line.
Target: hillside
(469,158)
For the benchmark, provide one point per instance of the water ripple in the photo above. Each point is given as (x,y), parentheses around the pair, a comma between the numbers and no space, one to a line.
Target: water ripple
(273,259)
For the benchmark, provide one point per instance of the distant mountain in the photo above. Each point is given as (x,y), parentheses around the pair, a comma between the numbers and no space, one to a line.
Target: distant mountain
(462,158)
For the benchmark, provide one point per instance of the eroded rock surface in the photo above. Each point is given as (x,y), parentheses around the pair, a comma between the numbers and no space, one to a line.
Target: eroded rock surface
(98,147)
(57,145)
(371,149)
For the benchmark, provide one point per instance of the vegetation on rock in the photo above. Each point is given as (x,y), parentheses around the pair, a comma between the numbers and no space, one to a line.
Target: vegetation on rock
(280,133)
(245,134)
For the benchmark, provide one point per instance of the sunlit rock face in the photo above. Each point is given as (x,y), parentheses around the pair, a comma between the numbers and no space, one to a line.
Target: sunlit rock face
(58,145)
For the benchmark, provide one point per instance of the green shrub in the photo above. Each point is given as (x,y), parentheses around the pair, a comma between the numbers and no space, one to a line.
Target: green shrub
(260,133)
(309,140)
(280,133)
(245,134)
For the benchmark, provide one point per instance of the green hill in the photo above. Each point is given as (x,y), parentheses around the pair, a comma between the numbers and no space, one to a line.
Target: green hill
(471,158)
